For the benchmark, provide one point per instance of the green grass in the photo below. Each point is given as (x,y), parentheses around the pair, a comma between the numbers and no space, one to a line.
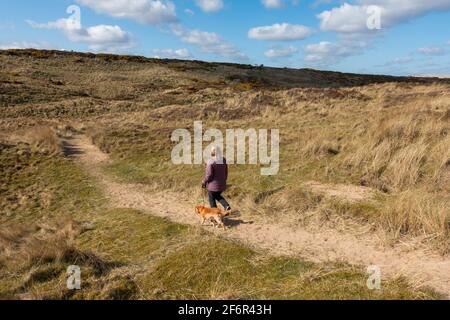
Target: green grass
(127,254)
(164,260)
(218,269)
(50,185)
(43,195)
(130,236)
(153,258)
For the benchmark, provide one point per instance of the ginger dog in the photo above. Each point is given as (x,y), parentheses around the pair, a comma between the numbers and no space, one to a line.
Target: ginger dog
(214,215)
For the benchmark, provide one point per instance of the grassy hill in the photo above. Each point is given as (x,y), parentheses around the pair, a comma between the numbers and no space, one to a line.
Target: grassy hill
(387,135)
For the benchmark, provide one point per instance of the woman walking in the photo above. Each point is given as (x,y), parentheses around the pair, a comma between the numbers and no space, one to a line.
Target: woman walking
(215,179)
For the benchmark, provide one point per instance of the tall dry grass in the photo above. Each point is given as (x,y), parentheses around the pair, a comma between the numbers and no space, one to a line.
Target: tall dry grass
(402,151)
(377,135)
(418,213)
(43,140)
(40,253)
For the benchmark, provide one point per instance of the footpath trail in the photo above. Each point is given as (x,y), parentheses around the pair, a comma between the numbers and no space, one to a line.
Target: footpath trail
(419,265)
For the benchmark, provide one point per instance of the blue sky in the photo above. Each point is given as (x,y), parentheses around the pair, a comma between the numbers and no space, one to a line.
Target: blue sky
(401,37)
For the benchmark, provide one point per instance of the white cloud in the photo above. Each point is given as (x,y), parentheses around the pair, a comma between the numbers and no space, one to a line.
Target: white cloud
(104,38)
(208,42)
(346,18)
(350,18)
(273,4)
(107,38)
(432,51)
(432,75)
(189,12)
(328,53)
(25,45)
(275,53)
(280,32)
(350,21)
(396,62)
(210,5)
(196,37)
(151,12)
(173,53)
(68,25)
(278,4)
(319,51)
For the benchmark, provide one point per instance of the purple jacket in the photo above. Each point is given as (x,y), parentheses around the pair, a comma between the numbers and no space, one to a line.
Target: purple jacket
(216,176)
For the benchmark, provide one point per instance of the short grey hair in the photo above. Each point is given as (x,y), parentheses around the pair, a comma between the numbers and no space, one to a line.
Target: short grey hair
(214,151)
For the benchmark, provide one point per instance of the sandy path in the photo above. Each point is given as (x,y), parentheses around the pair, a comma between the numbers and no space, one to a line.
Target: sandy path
(419,265)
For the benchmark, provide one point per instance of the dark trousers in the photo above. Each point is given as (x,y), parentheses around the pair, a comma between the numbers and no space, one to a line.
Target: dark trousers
(217,196)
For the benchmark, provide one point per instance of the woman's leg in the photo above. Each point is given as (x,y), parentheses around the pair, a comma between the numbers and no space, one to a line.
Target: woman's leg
(223,201)
(212,199)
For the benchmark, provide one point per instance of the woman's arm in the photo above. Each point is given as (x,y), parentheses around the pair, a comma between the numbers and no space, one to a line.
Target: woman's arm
(209,174)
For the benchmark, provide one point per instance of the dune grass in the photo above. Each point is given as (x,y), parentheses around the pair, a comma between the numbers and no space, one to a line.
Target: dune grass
(128,254)
(164,260)
(387,134)
(374,137)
